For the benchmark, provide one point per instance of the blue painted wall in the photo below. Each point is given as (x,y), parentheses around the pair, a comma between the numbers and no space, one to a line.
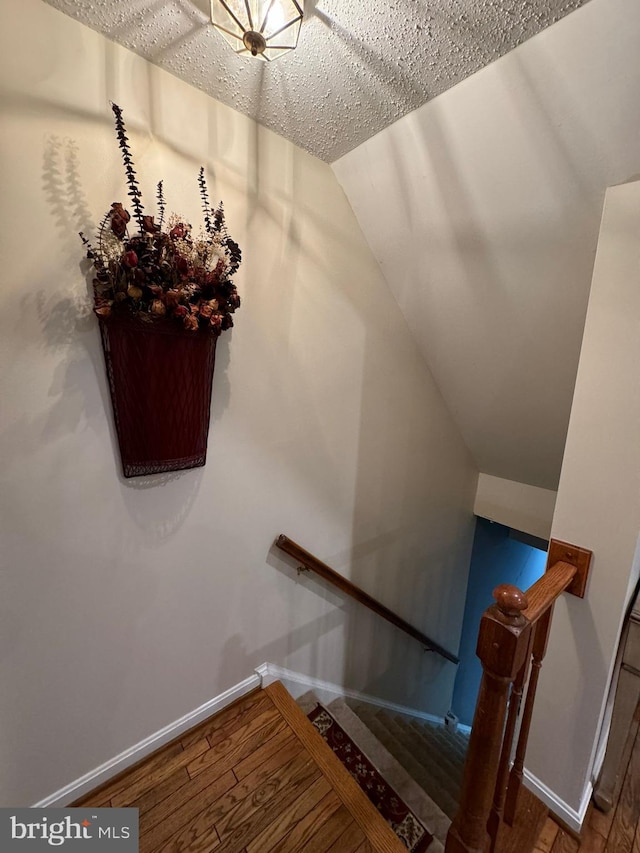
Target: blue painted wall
(495,559)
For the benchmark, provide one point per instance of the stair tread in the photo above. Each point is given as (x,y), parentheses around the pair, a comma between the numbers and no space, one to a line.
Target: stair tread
(428,755)
(392,770)
(432,754)
(376,829)
(427,751)
(425,775)
(439,743)
(404,783)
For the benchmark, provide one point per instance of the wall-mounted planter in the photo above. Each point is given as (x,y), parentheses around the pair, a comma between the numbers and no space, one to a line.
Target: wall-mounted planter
(160,377)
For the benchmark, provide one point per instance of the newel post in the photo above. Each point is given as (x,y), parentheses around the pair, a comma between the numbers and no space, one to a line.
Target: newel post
(502,648)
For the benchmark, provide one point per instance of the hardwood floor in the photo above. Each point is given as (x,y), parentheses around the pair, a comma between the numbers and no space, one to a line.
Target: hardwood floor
(256,778)
(618,831)
(529,822)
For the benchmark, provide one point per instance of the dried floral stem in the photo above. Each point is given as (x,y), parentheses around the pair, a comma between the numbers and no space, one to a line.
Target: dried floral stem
(218,220)
(206,207)
(106,218)
(134,190)
(161,203)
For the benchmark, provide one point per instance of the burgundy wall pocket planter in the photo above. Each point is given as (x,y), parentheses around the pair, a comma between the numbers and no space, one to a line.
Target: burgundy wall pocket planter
(163,297)
(160,380)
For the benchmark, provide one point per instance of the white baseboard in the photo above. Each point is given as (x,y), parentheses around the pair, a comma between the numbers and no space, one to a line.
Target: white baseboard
(140,750)
(298,683)
(264,675)
(601,750)
(573,819)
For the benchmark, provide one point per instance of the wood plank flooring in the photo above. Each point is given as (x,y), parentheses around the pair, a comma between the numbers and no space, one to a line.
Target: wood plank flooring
(255,778)
(258,778)
(529,822)
(618,831)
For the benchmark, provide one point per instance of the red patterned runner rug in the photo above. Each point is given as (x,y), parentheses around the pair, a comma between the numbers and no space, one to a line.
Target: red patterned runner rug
(398,815)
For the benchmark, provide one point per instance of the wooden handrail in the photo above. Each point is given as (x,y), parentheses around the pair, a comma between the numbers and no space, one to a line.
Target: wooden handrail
(513,636)
(315,565)
(542,595)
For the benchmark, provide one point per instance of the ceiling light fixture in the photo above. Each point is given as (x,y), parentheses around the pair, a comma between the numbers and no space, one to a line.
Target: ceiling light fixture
(262,28)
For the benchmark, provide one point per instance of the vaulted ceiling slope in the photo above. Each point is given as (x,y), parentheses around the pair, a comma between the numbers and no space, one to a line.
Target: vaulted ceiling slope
(483,208)
(360,64)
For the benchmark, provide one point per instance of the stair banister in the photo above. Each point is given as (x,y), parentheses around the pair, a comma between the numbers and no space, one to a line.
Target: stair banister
(502,643)
(540,641)
(500,790)
(308,561)
(513,633)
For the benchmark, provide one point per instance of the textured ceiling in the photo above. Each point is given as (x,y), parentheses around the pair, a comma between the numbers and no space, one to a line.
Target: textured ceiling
(359,66)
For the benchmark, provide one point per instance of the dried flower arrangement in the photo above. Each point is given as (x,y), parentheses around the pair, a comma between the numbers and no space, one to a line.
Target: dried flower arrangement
(158,275)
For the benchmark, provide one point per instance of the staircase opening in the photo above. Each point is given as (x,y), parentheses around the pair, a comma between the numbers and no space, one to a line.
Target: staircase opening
(499,555)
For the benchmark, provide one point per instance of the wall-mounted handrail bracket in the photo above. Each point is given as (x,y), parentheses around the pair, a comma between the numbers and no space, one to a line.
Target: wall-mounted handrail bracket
(578,557)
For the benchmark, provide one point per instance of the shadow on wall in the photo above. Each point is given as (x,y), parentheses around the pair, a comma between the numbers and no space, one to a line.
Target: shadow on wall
(379,659)
(497,558)
(328,435)
(371,472)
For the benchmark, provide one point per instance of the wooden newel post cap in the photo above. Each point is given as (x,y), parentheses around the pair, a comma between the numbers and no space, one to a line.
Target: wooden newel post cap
(510,600)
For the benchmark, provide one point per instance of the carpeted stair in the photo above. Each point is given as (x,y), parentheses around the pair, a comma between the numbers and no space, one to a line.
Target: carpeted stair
(423,762)
(431,753)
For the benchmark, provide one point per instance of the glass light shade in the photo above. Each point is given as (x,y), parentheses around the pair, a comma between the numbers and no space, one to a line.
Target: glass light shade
(265,29)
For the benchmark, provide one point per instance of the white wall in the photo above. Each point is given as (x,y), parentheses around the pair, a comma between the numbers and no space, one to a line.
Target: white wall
(126,604)
(523,507)
(483,209)
(598,507)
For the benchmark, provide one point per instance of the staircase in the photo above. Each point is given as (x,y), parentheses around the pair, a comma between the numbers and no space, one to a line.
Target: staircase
(258,777)
(431,753)
(254,778)
(495,812)
(423,762)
